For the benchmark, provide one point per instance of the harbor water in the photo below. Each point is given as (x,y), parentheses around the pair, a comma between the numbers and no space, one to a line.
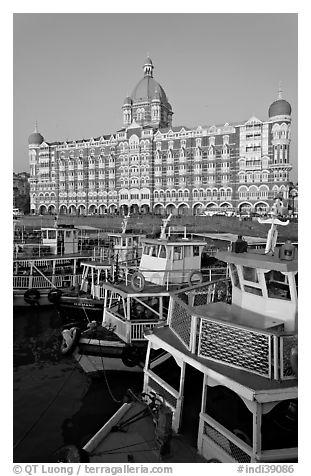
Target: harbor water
(54,402)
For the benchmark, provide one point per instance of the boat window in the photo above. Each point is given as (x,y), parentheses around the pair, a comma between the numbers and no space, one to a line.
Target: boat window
(154,251)
(277,285)
(250,274)
(187,251)
(252,290)
(68,234)
(177,253)
(235,276)
(196,251)
(44,234)
(52,234)
(162,253)
(123,241)
(147,249)
(296,282)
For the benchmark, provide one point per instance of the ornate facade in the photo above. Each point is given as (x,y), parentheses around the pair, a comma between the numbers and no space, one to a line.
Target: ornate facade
(152,166)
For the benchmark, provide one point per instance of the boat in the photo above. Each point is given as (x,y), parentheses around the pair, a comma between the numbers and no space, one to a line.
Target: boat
(224,382)
(86,303)
(52,261)
(136,299)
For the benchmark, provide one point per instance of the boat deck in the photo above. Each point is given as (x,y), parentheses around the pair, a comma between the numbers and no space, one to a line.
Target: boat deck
(137,443)
(221,311)
(150,289)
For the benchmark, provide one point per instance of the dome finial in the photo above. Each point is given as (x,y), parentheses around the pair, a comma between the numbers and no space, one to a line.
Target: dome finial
(36,126)
(280,92)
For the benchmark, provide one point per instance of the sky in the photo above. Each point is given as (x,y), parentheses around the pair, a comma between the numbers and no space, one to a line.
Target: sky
(72,71)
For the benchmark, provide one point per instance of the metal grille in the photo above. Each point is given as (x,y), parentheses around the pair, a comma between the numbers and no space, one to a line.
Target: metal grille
(204,295)
(180,322)
(286,345)
(161,391)
(228,446)
(199,295)
(235,346)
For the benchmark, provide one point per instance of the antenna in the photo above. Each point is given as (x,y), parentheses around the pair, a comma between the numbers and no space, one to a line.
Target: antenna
(163,227)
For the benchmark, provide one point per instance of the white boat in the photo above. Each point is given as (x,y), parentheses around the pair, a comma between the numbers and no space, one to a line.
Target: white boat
(225,380)
(136,300)
(52,263)
(123,252)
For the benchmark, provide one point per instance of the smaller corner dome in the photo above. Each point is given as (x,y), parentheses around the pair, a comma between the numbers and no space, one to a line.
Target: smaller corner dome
(127,100)
(35,138)
(280,107)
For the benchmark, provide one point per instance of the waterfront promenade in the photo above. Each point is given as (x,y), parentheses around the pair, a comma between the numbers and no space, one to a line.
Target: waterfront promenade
(150,224)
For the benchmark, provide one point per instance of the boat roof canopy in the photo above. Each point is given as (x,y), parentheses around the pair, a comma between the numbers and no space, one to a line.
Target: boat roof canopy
(258,260)
(173,241)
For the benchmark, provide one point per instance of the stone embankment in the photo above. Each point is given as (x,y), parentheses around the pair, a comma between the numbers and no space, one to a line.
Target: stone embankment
(150,224)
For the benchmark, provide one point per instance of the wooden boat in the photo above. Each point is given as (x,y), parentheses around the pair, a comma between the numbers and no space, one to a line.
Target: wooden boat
(224,374)
(138,299)
(52,263)
(86,303)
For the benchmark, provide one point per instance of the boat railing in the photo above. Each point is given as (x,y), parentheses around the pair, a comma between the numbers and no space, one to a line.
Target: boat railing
(46,282)
(261,352)
(138,328)
(216,437)
(164,277)
(128,330)
(154,383)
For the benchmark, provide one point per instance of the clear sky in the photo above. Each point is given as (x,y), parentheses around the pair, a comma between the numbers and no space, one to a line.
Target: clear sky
(73,71)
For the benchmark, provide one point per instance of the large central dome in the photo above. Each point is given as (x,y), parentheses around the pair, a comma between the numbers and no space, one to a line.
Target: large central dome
(148,104)
(146,89)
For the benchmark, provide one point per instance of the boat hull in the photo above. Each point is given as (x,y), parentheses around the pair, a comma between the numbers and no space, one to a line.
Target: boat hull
(80,308)
(19,301)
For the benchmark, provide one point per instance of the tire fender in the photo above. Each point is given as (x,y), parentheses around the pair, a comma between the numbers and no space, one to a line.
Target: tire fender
(138,281)
(199,279)
(32,296)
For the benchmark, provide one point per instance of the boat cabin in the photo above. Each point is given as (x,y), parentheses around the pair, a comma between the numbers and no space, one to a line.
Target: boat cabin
(170,260)
(264,283)
(61,240)
(127,246)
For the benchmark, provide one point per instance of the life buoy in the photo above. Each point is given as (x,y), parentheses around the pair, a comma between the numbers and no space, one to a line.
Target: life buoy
(32,296)
(130,356)
(54,295)
(70,340)
(198,280)
(138,281)
(71,454)
(294,359)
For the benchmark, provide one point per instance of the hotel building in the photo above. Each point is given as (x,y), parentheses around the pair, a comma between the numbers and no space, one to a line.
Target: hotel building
(149,165)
